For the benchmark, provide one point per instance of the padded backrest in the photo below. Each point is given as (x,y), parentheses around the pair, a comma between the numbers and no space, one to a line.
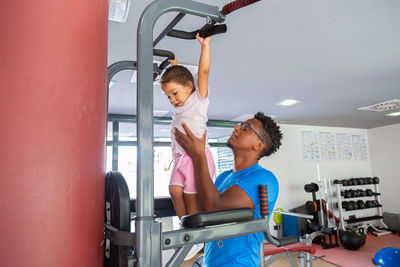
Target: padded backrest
(217,217)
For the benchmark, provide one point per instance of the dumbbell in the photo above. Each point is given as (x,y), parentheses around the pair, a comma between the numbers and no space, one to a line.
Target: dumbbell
(375,180)
(360,204)
(344,204)
(314,206)
(309,188)
(361,193)
(369,192)
(360,181)
(369,204)
(345,182)
(353,181)
(353,204)
(336,181)
(350,205)
(355,193)
(375,203)
(368,180)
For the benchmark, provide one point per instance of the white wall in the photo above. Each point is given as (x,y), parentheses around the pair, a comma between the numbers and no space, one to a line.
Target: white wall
(293,172)
(384,145)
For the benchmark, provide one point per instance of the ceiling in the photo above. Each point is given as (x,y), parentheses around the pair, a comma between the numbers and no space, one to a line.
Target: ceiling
(334,56)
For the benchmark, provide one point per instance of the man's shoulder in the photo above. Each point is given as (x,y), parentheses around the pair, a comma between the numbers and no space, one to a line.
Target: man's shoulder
(258,170)
(222,176)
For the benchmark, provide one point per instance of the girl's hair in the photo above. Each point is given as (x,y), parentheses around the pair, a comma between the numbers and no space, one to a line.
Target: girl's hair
(178,74)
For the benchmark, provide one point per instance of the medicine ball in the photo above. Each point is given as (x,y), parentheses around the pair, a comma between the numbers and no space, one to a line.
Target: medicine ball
(387,257)
(351,239)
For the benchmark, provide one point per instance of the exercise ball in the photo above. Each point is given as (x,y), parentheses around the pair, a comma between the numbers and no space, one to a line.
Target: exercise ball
(351,239)
(387,257)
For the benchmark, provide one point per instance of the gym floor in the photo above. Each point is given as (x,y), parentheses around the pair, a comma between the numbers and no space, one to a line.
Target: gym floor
(279,263)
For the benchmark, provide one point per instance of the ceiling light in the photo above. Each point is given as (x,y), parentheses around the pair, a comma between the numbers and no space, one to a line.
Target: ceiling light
(393,114)
(288,102)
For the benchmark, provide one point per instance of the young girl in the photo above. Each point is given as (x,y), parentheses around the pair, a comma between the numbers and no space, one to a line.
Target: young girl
(191,105)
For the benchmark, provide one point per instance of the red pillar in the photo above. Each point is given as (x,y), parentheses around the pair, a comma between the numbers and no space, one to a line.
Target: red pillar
(53,58)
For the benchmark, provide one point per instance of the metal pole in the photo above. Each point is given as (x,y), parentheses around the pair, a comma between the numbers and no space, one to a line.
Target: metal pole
(340,207)
(167,29)
(299,215)
(145,172)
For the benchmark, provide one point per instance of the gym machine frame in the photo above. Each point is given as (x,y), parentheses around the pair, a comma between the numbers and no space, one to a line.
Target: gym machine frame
(148,239)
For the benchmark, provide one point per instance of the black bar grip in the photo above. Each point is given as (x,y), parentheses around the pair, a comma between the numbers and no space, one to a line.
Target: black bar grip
(163,53)
(205,31)
(263,193)
(182,34)
(214,30)
(287,240)
(164,64)
(232,6)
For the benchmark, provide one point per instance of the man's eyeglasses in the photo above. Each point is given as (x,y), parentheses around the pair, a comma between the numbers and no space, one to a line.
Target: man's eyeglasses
(246,125)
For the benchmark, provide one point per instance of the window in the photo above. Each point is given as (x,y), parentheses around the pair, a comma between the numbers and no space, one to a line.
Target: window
(122,151)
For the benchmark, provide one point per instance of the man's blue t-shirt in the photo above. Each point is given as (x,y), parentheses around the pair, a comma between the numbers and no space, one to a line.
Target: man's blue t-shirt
(242,250)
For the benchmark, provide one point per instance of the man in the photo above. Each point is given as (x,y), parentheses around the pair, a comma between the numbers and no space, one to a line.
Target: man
(237,188)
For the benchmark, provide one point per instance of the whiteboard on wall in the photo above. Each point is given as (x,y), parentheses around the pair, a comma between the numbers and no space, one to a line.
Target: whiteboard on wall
(330,146)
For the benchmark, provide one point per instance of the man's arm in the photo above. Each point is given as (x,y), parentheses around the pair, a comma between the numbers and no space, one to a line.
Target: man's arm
(210,198)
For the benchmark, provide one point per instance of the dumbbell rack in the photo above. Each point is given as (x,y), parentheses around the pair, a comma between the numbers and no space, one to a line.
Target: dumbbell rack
(364,220)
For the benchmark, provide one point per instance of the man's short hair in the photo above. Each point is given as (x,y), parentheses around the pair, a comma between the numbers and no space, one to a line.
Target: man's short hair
(271,133)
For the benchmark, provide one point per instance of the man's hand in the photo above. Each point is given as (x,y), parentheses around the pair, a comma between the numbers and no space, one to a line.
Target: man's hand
(193,145)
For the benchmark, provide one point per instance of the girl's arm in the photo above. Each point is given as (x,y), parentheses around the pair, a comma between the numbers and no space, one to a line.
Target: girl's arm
(204,65)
